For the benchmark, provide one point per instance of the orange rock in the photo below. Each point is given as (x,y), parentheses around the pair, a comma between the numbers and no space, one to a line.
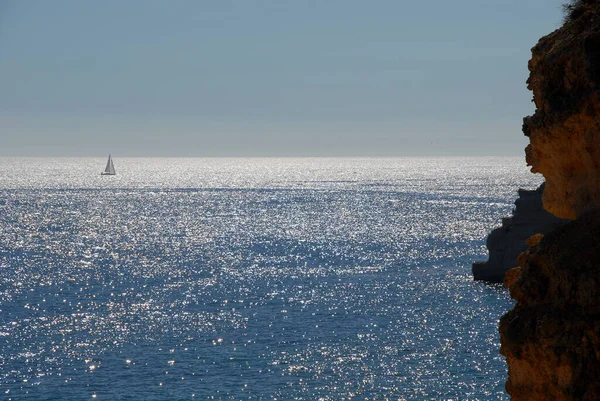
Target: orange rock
(534,239)
(564,131)
(511,276)
(551,338)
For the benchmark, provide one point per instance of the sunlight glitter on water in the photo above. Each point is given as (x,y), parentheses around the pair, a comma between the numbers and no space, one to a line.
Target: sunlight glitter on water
(251,278)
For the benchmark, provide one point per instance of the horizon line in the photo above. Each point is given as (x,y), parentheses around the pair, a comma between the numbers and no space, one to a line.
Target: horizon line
(262,156)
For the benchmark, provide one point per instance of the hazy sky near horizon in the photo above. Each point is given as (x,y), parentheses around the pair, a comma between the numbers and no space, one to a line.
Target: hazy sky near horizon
(267,77)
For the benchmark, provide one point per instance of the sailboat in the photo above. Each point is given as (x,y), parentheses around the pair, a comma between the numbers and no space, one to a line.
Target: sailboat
(110,167)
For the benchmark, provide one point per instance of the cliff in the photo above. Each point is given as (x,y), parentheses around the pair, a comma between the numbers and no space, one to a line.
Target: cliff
(505,243)
(564,130)
(551,338)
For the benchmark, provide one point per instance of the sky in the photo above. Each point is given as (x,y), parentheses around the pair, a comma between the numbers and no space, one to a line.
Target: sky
(203,78)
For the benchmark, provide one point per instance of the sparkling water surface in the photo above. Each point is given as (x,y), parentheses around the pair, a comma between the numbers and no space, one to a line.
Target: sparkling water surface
(251,279)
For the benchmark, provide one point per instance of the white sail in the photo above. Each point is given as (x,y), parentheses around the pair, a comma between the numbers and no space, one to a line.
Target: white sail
(110,168)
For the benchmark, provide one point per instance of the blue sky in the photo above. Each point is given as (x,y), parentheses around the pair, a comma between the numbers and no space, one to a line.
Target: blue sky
(267,77)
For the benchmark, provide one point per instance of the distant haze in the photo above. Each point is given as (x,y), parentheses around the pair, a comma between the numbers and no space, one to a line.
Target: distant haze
(267,78)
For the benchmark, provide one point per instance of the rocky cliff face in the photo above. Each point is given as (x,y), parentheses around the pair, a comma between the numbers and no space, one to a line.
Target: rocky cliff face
(507,242)
(551,339)
(564,132)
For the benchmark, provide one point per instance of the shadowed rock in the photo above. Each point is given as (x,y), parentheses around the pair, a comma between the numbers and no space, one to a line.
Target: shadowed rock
(505,243)
(551,339)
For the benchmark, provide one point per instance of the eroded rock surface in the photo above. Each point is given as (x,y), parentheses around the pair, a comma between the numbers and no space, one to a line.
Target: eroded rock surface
(564,132)
(551,339)
(505,243)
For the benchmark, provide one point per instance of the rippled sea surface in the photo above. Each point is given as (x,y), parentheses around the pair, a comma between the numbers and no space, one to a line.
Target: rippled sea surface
(251,279)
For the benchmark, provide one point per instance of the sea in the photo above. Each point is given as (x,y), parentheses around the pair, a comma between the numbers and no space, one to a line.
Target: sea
(252,278)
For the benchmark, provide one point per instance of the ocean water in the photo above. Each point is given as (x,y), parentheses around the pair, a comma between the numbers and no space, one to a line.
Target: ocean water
(251,279)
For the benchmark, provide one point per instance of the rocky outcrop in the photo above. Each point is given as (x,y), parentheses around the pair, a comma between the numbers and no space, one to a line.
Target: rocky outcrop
(551,339)
(564,132)
(505,243)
